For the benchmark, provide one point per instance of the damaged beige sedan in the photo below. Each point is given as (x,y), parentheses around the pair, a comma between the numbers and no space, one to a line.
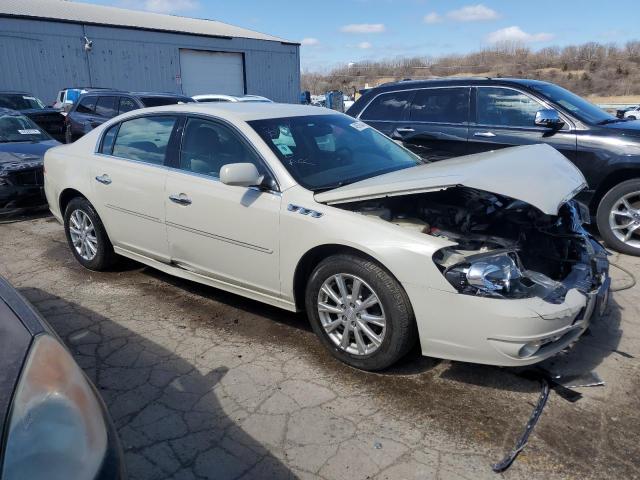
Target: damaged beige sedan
(481,258)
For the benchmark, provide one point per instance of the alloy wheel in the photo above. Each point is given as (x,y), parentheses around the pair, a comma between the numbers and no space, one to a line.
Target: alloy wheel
(351,314)
(83,235)
(624,219)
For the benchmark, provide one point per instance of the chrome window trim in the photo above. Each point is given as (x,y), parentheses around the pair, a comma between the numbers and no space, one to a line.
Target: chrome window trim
(569,122)
(407,90)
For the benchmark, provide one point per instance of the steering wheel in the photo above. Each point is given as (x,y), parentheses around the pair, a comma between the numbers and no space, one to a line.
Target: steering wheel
(344,155)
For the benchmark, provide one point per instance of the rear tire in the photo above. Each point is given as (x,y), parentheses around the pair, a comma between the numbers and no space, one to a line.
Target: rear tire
(380,330)
(86,236)
(618,216)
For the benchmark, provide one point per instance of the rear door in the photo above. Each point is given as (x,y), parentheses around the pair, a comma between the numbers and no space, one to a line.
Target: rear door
(505,117)
(129,179)
(386,110)
(106,109)
(80,118)
(436,124)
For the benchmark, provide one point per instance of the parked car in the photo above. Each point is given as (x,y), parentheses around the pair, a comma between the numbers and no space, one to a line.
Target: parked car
(68,96)
(96,107)
(212,98)
(483,258)
(49,119)
(445,118)
(22,147)
(632,113)
(54,425)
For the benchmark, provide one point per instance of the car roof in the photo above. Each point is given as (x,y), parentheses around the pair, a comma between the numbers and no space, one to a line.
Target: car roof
(454,81)
(133,94)
(241,111)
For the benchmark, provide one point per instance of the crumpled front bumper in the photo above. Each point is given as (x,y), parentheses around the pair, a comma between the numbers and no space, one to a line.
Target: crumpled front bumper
(509,332)
(19,198)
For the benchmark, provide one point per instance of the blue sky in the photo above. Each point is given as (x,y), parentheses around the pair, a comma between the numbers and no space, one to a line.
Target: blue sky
(335,32)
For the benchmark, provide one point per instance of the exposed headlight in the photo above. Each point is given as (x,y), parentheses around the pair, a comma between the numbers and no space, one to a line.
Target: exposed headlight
(56,427)
(499,275)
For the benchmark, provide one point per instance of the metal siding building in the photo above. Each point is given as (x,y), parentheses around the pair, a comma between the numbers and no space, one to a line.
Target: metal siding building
(42,50)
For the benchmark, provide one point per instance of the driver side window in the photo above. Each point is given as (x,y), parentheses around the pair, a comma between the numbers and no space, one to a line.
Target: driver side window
(207,146)
(506,107)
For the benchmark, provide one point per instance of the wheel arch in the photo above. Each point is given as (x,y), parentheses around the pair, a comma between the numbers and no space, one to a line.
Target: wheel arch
(310,260)
(614,178)
(66,196)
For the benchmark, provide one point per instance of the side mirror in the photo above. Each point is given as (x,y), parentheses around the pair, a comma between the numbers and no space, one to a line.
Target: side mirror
(240,175)
(549,118)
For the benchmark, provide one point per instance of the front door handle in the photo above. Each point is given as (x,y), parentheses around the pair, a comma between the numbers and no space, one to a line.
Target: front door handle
(405,130)
(484,134)
(104,179)
(180,199)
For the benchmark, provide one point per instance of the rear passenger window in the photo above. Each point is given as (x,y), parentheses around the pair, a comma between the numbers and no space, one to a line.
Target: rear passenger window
(388,106)
(126,105)
(86,105)
(442,105)
(108,139)
(106,107)
(144,139)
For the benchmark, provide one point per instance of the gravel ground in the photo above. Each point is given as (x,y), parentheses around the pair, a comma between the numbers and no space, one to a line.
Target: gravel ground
(205,384)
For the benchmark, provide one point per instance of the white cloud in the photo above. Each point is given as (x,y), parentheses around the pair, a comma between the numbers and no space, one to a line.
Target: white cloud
(432,17)
(473,13)
(161,6)
(516,34)
(364,45)
(310,42)
(363,28)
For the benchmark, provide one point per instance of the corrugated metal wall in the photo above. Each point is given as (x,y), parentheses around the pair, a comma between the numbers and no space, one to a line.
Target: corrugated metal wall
(42,57)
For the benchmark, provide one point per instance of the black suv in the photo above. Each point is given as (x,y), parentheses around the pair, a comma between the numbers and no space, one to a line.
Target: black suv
(96,107)
(444,118)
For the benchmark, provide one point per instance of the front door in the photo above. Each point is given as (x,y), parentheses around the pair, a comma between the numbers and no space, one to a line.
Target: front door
(505,117)
(129,184)
(228,233)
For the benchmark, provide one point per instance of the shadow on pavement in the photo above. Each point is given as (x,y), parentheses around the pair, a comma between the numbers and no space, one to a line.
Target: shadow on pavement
(173,420)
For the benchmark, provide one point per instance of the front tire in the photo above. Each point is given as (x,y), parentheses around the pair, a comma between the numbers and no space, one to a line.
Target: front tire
(86,235)
(618,217)
(360,312)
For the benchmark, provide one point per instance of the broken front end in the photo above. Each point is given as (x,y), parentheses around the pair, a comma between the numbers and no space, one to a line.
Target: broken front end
(527,282)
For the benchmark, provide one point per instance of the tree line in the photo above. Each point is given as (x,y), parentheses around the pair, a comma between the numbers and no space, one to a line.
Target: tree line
(588,69)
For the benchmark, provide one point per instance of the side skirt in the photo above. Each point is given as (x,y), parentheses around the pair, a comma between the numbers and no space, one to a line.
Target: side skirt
(196,277)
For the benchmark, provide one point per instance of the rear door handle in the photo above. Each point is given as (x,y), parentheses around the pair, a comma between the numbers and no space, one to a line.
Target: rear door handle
(104,179)
(180,199)
(484,134)
(405,130)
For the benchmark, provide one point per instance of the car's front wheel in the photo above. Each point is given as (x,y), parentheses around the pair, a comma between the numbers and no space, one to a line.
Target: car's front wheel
(86,235)
(618,217)
(360,312)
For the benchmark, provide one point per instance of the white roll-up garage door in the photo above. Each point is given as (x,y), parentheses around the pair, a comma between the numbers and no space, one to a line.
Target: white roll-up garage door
(211,72)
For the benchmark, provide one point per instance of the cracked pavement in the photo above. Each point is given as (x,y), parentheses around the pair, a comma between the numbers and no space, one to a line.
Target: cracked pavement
(205,384)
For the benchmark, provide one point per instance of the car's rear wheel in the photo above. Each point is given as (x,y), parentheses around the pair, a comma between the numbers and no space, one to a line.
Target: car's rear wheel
(360,312)
(618,217)
(86,235)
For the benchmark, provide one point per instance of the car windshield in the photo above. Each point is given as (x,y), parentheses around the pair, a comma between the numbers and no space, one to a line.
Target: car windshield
(17,128)
(578,106)
(16,101)
(162,101)
(327,151)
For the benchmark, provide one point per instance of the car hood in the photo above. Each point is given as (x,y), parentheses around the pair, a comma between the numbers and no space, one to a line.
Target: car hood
(536,174)
(628,127)
(20,156)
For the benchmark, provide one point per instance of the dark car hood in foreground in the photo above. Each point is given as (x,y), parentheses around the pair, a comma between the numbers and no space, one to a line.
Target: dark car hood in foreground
(21,155)
(15,340)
